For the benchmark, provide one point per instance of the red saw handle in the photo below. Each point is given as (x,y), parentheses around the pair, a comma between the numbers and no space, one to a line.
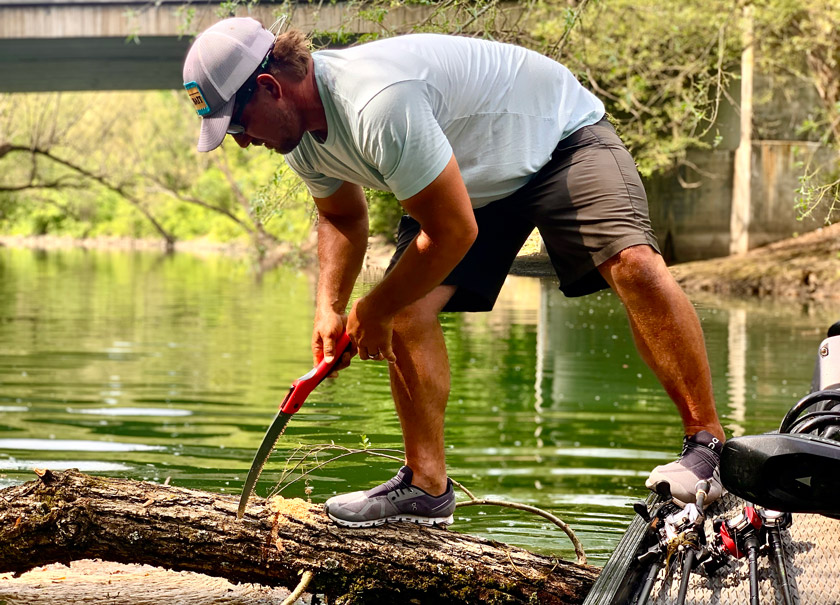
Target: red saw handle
(306,384)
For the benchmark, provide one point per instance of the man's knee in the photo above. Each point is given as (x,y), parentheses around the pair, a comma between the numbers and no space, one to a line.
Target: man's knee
(423,314)
(636,266)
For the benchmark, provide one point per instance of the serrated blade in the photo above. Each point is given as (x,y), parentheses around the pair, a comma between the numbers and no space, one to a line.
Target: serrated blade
(275,430)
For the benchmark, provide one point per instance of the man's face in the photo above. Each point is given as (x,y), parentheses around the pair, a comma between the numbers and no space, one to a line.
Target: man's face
(270,119)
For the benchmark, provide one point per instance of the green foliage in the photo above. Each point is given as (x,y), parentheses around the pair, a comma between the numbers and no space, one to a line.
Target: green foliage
(818,192)
(663,69)
(121,171)
(798,45)
(367,20)
(384,213)
(659,67)
(186,14)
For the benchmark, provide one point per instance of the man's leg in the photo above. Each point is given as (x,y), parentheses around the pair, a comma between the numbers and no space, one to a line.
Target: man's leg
(421,491)
(669,339)
(590,206)
(420,386)
(667,333)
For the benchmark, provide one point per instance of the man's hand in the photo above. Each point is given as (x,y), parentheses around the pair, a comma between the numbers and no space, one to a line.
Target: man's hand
(371,332)
(328,329)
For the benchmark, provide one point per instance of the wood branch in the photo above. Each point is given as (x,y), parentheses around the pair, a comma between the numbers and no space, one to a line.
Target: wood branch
(118,189)
(59,184)
(262,236)
(188,199)
(66,516)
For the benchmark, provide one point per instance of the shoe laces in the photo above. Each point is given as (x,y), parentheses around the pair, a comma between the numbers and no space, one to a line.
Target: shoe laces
(395,484)
(692,451)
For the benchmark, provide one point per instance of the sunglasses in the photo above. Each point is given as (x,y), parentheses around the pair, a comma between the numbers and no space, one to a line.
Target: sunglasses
(243,97)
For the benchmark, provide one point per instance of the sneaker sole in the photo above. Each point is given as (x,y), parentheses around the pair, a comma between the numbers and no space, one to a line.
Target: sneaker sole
(426,521)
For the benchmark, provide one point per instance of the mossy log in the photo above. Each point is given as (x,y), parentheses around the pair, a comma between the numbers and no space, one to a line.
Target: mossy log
(66,516)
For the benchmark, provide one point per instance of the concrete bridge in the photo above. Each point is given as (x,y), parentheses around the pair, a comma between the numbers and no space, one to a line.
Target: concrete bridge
(131,44)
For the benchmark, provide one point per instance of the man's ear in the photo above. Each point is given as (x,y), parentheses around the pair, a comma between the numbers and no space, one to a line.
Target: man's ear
(270,84)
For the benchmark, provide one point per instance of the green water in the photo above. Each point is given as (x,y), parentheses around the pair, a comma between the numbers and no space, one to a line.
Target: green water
(152,367)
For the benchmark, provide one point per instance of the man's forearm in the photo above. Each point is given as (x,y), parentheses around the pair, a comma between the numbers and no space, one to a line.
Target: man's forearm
(342,244)
(421,268)
(448,229)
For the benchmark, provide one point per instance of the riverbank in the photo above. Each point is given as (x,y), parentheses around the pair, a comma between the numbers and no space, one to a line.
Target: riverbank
(243,249)
(803,268)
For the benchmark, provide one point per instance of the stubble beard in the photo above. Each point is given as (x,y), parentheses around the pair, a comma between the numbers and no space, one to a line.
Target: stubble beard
(289,126)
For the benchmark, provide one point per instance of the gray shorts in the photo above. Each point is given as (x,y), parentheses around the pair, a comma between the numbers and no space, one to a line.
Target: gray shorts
(588,203)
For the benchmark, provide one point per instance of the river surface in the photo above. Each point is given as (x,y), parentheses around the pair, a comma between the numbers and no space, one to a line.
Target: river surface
(171,367)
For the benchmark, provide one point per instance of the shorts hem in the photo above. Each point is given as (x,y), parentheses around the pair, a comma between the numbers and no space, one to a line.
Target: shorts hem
(591,280)
(636,239)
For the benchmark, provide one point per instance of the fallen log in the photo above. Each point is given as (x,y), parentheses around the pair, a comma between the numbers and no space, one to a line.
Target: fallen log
(66,516)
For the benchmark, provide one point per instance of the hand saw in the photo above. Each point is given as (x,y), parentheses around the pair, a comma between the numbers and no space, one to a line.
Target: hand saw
(293,401)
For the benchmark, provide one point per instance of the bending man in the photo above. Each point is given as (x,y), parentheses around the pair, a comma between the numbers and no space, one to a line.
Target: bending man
(480,142)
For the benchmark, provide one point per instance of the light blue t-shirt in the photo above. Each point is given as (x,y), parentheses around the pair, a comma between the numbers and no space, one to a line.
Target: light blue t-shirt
(397,109)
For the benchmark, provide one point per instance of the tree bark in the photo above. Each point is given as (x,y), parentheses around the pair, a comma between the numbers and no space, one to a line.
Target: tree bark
(66,516)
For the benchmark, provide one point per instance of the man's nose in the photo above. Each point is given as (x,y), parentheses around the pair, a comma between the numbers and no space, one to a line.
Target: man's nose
(243,140)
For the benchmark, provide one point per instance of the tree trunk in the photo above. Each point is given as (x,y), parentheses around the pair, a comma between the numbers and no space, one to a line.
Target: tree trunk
(742,172)
(66,516)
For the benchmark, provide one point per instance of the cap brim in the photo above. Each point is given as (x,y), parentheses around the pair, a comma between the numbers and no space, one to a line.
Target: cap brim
(214,127)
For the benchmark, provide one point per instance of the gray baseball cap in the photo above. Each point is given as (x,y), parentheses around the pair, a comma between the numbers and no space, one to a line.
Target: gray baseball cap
(218,63)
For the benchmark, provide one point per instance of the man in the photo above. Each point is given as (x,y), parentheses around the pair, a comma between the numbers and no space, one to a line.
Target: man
(480,142)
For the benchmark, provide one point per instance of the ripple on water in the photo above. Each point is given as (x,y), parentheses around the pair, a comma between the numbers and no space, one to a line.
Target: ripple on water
(565,471)
(123,411)
(73,445)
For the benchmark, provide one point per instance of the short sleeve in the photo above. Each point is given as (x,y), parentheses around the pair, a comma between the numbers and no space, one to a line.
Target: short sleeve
(400,137)
(319,184)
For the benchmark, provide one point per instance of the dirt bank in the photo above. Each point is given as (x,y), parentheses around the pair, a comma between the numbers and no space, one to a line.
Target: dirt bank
(803,268)
(200,247)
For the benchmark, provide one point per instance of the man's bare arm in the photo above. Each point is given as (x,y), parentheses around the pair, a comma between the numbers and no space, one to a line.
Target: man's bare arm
(342,243)
(448,229)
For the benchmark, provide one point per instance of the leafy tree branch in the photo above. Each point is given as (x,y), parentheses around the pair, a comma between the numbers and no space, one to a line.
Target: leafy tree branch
(120,190)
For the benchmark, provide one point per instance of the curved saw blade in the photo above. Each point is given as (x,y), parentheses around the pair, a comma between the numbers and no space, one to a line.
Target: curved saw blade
(278,425)
(291,403)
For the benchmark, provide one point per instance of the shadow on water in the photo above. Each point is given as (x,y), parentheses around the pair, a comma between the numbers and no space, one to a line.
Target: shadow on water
(150,367)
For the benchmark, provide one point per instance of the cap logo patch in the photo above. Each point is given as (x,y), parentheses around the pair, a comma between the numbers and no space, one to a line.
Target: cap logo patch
(197,97)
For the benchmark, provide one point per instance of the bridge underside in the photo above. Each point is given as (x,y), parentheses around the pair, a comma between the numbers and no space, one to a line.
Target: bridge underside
(61,64)
(86,44)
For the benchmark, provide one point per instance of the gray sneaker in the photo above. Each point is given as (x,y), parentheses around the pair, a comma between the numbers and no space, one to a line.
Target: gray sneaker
(394,500)
(700,459)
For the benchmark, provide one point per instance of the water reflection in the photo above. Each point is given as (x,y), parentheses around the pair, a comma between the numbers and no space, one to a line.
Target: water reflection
(154,368)
(736,333)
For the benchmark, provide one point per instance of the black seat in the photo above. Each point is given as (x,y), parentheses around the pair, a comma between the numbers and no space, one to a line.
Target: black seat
(797,473)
